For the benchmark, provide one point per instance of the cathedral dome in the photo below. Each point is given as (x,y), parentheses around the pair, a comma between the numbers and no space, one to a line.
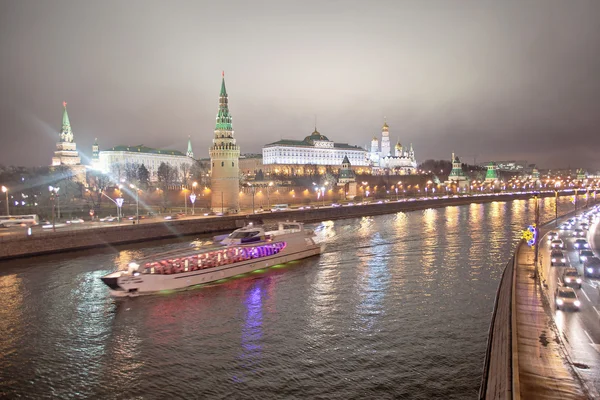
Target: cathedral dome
(315,136)
(398,146)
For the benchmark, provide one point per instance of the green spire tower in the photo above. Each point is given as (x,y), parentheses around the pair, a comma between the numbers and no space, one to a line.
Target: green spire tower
(223,116)
(66,134)
(66,149)
(189,152)
(224,156)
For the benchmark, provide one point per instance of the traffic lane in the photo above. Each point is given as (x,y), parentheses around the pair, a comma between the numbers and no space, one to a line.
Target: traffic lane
(579,328)
(62,227)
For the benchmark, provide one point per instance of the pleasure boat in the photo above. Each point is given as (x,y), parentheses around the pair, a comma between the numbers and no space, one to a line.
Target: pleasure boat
(244,250)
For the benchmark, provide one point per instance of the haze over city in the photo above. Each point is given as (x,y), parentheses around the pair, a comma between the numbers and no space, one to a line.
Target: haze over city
(502,80)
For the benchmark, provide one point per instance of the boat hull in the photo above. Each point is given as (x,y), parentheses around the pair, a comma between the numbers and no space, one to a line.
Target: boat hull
(128,285)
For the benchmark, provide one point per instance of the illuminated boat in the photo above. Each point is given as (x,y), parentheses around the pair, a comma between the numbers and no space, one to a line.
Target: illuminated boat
(244,250)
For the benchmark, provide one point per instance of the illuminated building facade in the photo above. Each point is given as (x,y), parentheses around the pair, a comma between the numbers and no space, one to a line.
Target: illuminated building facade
(402,162)
(314,151)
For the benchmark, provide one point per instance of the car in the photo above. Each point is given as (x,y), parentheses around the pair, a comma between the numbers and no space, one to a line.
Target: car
(552,236)
(110,218)
(584,226)
(75,221)
(572,221)
(584,255)
(578,232)
(208,213)
(581,244)
(564,226)
(591,267)
(557,244)
(571,278)
(171,217)
(557,258)
(565,298)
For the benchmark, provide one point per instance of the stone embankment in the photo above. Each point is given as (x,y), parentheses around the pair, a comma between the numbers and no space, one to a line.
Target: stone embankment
(116,235)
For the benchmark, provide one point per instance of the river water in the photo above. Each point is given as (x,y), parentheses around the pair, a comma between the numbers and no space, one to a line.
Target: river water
(397,306)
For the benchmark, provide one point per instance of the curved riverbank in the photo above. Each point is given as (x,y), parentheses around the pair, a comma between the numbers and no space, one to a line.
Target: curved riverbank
(56,242)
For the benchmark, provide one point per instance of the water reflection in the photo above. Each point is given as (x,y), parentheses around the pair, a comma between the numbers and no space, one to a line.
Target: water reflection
(251,335)
(373,280)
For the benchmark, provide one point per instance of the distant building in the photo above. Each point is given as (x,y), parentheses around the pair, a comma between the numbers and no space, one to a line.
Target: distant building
(512,165)
(116,160)
(491,175)
(314,151)
(251,164)
(401,163)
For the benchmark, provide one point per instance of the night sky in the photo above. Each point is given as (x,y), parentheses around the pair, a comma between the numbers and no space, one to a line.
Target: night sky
(512,79)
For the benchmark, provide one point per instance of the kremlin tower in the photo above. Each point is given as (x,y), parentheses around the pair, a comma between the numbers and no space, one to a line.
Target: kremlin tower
(224,157)
(66,149)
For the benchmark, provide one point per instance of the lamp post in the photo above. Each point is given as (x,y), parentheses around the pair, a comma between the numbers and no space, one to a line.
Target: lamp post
(555,207)
(193,195)
(268,200)
(137,203)
(5,190)
(185,200)
(53,195)
(253,191)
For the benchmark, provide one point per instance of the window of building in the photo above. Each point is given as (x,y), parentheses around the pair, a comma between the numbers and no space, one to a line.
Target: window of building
(222,163)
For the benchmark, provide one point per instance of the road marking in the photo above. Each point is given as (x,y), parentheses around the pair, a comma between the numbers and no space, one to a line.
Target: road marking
(595,309)
(586,296)
(588,335)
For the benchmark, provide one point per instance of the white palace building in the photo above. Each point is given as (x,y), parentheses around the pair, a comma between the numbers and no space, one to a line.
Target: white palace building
(316,149)
(115,160)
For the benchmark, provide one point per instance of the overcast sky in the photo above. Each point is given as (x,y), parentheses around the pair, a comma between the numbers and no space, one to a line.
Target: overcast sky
(511,79)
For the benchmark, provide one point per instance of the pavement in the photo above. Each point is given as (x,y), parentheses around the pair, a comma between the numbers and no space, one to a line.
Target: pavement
(579,330)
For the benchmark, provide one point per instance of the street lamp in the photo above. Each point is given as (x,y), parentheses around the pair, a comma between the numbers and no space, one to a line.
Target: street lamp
(54,195)
(5,190)
(184,199)
(119,201)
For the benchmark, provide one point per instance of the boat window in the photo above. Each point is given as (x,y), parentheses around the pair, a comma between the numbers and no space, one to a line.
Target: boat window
(241,235)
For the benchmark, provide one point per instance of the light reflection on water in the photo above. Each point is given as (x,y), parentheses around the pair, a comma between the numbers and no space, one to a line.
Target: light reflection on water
(397,306)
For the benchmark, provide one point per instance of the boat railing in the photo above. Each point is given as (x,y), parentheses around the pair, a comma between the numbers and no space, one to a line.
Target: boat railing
(212,259)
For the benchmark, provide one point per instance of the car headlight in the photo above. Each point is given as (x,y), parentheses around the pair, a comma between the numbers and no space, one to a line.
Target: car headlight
(586,245)
(577,245)
(559,302)
(577,303)
(590,270)
(554,260)
(563,260)
(583,258)
(568,280)
(578,280)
